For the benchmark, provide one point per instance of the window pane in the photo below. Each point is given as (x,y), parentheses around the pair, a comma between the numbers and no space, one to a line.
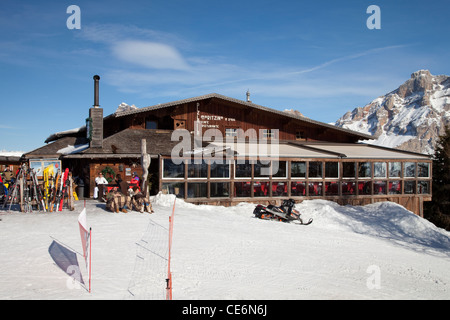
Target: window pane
(379,169)
(395,187)
(261,170)
(261,189)
(220,170)
(410,169)
(315,169)
(395,169)
(364,170)
(279,169)
(220,189)
(349,170)
(315,189)
(423,187)
(198,170)
(176,188)
(298,169)
(298,188)
(348,188)
(410,187)
(242,189)
(331,170)
(243,170)
(379,187)
(197,190)
(332,188)
(423,169)
(150,124)
(364,188)
(230,132)
(279,189)
(172,170)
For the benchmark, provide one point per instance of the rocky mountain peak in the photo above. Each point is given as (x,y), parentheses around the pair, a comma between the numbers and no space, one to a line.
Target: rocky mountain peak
(410,118)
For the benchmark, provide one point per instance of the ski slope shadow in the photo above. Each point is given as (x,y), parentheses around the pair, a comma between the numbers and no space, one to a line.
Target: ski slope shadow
(148,280)
(66,260)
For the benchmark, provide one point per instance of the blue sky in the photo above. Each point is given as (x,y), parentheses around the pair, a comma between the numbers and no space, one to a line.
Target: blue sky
(318,57)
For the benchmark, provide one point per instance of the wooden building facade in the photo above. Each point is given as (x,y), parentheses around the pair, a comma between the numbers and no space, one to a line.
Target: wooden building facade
(313,160)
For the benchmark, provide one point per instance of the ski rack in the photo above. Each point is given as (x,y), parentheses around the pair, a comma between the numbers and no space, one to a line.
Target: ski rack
(27,193)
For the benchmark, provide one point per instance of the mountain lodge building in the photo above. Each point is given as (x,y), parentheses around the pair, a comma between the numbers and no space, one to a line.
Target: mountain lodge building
(312,160)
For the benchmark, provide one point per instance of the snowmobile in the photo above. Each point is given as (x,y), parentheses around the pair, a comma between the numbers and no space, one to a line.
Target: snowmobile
(284,213)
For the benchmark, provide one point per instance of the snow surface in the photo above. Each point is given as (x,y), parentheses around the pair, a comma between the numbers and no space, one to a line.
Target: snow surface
(379,251)
(73,149)
(11,153)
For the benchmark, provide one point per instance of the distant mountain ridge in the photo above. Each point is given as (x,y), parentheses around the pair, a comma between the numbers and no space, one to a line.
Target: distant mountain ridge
(412,117)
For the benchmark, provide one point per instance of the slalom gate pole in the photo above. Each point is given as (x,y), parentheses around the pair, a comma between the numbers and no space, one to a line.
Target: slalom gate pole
(90,256)
(169,273)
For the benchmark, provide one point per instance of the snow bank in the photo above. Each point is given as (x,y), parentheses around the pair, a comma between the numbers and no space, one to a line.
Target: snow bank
(385,220)
(226,253)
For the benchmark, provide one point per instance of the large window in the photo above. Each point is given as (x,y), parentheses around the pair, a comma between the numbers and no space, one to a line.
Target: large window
(199,170)
(395,187)
(243,169)
(395,169)
(410,170)
(348,188)
(379,170)
(171,170)
(176,188)
(423,170)
(410,187)
(348,170)
(279,169)
(365,188)
(379,187)
(315,169)
(298,188)
(298,169)
(242,189)
(423,187)
(332,188)
(197,190)
(364,170)
(220,170)
(262,169)
(209,179)
(279,189)
(261,189)
(315,188)
(331,169)
(219,189)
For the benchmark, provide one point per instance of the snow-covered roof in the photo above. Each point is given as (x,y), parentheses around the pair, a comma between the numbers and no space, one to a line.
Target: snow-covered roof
(61,134)
(321,150)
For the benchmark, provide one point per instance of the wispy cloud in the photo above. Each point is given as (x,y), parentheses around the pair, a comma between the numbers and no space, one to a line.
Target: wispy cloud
(151,63)
(150,54)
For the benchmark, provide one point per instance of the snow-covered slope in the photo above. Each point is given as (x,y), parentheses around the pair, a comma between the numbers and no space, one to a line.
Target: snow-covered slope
(380,251)
(410,118)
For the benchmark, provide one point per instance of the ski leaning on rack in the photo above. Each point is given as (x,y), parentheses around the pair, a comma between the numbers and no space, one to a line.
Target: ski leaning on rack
(37,190)
(63,189)
(54,192)
(284,213)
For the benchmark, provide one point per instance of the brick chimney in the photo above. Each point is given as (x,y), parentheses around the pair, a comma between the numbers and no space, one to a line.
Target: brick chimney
(94,123)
